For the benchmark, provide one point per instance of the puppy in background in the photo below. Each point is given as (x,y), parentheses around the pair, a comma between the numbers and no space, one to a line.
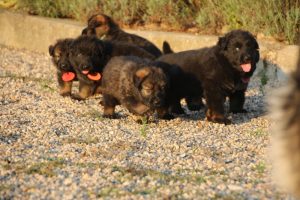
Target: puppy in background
(140,86)
(105,28)
(89,55)
(285,138)
(65,72)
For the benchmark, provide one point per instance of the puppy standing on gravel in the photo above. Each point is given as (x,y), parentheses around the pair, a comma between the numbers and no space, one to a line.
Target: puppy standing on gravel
(105,28)
(141,86)
(222,70)
(285,113)
(65,72)
(89,55)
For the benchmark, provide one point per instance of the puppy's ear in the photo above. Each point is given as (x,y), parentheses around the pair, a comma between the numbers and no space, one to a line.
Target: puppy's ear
(84,31)
(140,75)
(51,50)
(222,43)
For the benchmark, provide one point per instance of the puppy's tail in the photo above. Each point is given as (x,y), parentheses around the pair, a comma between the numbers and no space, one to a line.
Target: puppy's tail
(167,48)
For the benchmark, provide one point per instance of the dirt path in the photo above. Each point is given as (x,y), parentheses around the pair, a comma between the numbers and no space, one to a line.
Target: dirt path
(57,148)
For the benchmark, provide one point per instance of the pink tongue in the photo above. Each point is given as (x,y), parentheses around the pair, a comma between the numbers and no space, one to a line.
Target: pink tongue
(85,71)
(95,77)
(68,76)
(246,67)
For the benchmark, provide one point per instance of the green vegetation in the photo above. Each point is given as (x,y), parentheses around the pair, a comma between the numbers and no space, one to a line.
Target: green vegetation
(263,77)
(144,126)
(277,18)
(46,168)
(260,167)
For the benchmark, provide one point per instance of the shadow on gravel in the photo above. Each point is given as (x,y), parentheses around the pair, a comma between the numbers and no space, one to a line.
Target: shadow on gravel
(255,106)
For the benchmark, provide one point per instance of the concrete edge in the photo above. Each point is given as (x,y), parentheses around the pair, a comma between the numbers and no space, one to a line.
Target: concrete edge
(37,33)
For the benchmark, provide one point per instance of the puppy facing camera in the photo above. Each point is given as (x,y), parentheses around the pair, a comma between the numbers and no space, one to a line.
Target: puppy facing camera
(139,85)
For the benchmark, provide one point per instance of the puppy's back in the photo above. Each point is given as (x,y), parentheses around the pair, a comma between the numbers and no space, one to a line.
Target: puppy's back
(187,60)
(118,73)
(125,49)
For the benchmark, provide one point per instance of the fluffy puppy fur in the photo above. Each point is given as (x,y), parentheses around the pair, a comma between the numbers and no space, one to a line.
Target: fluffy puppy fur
(89,55)
(65,72)
(139,85)
(105,28)
(223,70)
(285,151)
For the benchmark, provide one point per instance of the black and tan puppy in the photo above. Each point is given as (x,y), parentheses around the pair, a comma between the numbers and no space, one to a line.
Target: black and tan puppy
(65,72)
(139,85)
(89,55)
(285,115)
(222,70)
(105,28)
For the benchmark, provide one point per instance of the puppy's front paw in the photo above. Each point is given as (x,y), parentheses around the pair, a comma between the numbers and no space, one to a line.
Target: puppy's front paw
(217,117)
(220,120)
(65,94)
(77,97)
(168,116)
(109,116)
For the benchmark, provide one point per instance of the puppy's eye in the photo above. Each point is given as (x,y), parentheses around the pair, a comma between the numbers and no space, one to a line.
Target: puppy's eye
(163,87)
(98,24)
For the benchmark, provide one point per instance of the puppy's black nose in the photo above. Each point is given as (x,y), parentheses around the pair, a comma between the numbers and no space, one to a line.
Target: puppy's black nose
(247,58)
(84,67)
(63,66)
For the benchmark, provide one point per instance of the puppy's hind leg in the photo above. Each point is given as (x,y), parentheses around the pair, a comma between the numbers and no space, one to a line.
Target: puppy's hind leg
(215,104)
(236,101)
(109,103)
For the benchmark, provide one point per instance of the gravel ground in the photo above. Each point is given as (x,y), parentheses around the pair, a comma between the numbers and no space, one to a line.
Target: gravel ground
(53,147)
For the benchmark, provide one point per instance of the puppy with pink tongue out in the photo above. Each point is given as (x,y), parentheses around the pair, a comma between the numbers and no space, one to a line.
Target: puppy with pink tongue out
(223,70)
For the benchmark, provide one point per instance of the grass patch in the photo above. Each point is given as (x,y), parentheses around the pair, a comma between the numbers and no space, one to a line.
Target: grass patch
(260,167)
(144,126)
(277,18)
(258,133)
(45,168)
(82,140)
(45,85)
(95,114)
(264,79)
(5,187)
(158,175)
